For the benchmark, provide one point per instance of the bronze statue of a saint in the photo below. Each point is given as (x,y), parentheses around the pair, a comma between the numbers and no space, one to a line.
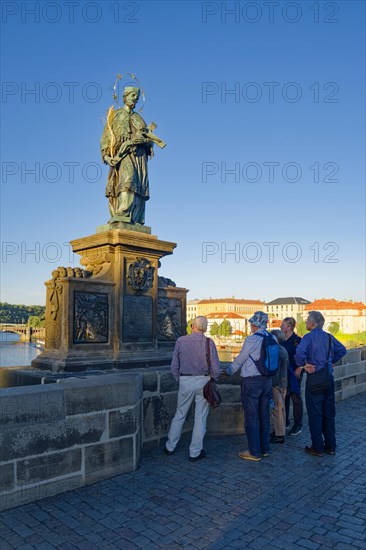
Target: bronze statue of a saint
(126,145)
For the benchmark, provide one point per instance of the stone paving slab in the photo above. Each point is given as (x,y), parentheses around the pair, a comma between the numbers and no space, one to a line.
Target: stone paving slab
(288,500)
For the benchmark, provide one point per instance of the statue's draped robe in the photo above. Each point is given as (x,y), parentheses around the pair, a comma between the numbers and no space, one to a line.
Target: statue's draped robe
(128,183)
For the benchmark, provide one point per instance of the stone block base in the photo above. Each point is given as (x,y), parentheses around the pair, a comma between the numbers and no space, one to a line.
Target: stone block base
(58,437)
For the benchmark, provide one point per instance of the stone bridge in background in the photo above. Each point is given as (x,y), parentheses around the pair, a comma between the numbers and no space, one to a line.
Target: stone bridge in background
(26,333)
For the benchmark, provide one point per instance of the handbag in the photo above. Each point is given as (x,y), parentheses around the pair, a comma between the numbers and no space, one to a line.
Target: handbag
(319,382)
(210,390)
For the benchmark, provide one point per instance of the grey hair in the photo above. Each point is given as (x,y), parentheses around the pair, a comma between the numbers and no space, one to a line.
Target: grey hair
(290,321)
(279,335)
(200,323)
(317,318)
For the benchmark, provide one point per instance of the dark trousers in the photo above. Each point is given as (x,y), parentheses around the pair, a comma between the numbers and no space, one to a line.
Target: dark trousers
(321,417)
(297,407)
(256,392)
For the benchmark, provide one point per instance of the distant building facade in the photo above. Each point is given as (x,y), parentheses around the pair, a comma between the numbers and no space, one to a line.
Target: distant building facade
(237,322)
(350,316)
(291,306)
(242,307)
(236,310)
(192,309)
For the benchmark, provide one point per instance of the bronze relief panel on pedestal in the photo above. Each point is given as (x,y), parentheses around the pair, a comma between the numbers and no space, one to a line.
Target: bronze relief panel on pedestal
(91,311)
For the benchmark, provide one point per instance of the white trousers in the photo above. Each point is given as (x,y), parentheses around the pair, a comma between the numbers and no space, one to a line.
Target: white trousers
(190,387)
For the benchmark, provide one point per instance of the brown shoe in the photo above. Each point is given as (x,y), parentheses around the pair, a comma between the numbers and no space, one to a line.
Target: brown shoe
(312,451)
(329,451)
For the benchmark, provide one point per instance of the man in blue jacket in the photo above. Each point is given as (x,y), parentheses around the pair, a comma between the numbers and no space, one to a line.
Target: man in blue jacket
(256,391)
(319,350)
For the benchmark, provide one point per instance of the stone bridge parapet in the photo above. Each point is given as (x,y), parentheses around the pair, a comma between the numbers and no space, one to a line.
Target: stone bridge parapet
(60,431)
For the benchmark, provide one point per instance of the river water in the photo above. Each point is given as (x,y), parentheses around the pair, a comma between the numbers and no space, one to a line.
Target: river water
(14,353)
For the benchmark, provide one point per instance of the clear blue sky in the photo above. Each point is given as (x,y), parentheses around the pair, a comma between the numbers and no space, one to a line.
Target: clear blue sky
(293,130)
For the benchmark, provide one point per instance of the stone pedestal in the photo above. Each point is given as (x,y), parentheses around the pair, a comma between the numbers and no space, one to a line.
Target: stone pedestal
(116,312)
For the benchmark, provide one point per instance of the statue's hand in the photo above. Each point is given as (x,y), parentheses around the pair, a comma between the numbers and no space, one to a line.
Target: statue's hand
(139,140)
(111,161)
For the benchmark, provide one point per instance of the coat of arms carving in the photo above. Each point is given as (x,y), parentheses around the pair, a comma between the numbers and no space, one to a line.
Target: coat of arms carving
(141,275)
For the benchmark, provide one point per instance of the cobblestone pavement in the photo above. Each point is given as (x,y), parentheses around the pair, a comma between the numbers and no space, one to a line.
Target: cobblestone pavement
(288,500)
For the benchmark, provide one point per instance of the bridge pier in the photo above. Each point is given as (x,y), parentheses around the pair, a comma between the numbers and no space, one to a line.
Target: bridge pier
(26,336)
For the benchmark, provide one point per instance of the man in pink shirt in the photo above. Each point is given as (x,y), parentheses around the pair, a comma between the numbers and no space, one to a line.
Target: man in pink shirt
(190,368)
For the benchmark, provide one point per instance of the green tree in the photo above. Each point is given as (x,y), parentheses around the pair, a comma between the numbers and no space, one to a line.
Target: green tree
(333,327)
(189,327)
(35,321)
(301,328)
(18,313)
(214,330)
(225,328)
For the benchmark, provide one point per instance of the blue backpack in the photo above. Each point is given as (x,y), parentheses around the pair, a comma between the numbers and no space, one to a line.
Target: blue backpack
(268,361)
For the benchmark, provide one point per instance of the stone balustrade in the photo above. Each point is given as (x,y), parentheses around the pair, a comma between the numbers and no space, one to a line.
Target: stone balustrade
(62,431)
(58,437)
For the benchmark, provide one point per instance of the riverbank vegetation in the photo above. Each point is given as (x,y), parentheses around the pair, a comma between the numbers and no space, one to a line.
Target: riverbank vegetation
(34,316)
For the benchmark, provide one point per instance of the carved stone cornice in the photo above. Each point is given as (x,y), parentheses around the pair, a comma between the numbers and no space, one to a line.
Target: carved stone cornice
(123,240)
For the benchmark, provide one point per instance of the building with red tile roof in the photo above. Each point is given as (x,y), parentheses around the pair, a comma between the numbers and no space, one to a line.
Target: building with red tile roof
(239,323)
(350,316)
